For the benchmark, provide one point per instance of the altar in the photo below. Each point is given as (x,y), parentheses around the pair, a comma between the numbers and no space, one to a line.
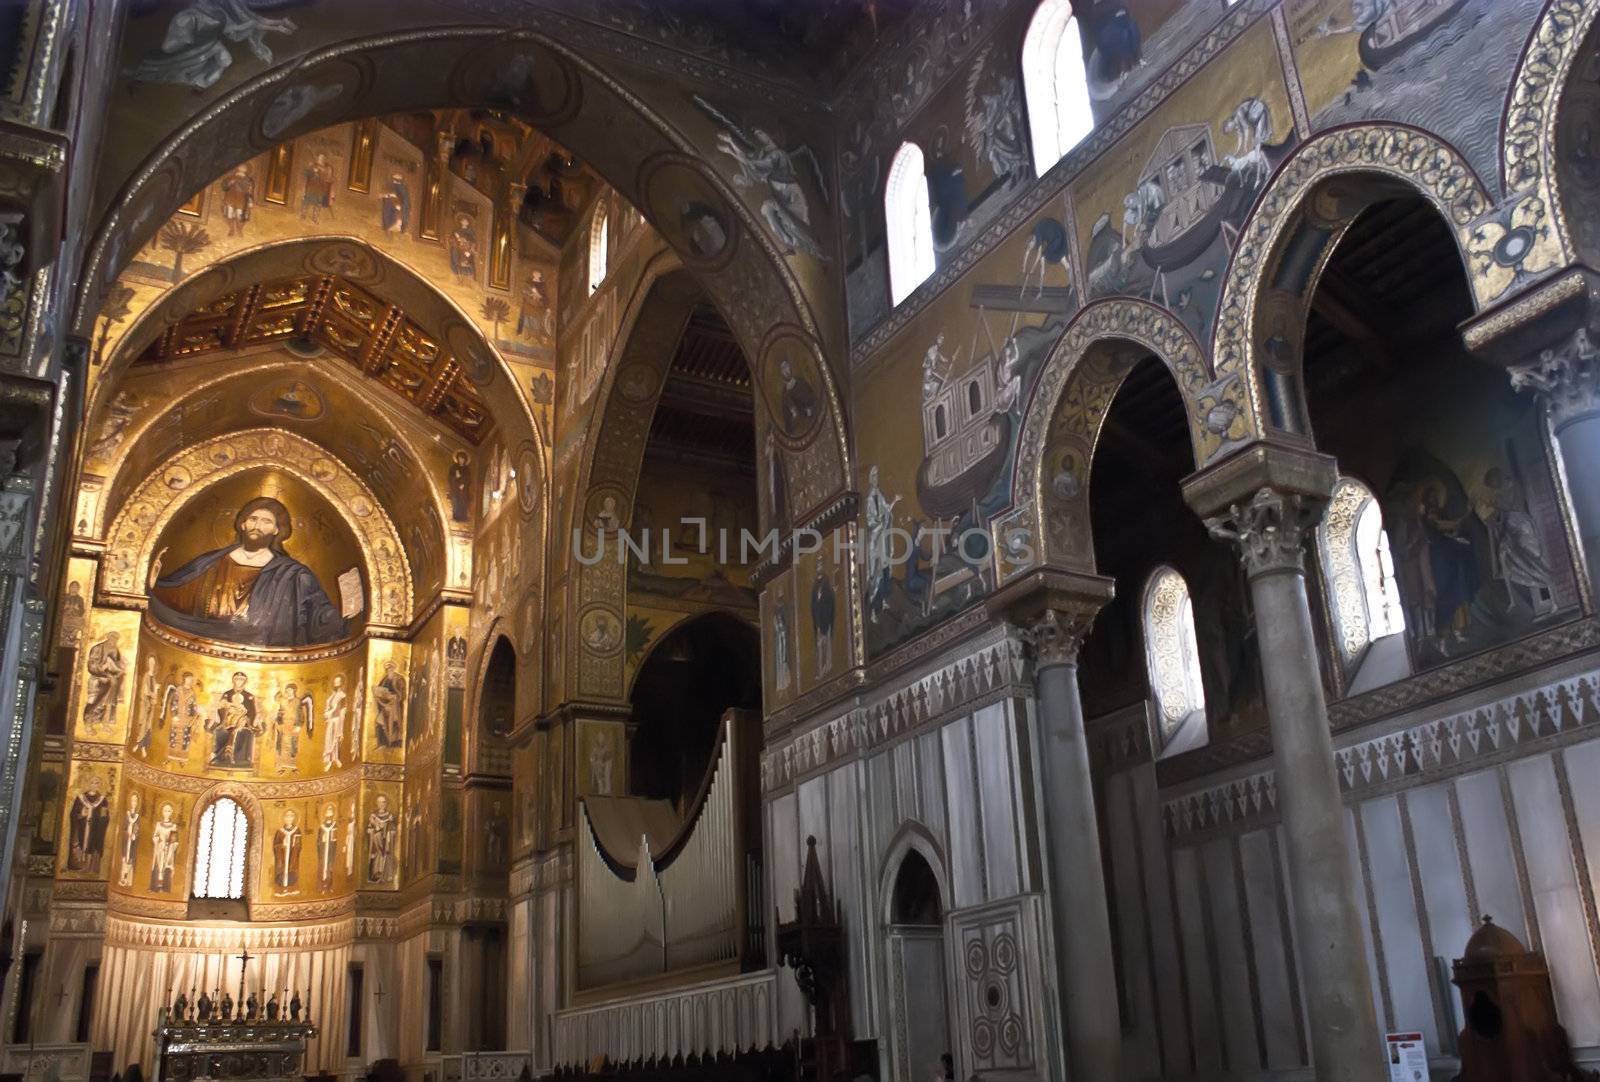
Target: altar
(260,1036)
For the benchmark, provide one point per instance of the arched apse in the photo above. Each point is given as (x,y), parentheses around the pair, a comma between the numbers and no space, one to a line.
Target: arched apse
(759,282)
(464,353)
(1069,406)
(230,394)
(133,536)
(1312,199)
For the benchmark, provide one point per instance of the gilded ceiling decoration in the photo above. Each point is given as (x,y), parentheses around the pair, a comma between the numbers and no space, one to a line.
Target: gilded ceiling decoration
(305,312)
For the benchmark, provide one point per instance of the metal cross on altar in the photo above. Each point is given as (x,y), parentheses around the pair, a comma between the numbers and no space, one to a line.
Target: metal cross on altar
(244,957)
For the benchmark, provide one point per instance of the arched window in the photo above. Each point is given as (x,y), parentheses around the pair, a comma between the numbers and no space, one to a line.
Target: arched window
(1378,584)
(220,850)
(908,221)
(1358,571)
(1055,84)
(598,248)
(1173,655)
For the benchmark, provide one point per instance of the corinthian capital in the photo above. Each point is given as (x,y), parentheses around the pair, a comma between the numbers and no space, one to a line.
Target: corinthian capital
(1055,608)
(1269,529)
(1057,635)
(1566,378)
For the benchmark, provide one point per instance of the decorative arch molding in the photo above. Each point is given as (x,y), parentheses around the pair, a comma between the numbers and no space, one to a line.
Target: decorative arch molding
(541,79)
(500,627)
(357,261)
(1304,193)
(138,526)
(93,513)
(912,837)
(635,375)
(1537,107)
(1070,402)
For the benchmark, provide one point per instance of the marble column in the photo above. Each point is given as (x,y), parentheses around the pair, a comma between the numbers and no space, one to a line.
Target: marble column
(1056,611)
(1566,379)
(1266,500)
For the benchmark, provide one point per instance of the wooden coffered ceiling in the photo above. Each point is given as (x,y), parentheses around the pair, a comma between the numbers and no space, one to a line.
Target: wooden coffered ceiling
(374,336)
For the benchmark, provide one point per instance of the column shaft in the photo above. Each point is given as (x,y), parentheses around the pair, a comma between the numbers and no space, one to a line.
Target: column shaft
(1345,1043)
(1579,444)
(1080,916)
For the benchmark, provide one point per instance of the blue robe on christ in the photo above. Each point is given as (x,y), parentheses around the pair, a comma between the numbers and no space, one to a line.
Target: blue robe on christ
(287,605)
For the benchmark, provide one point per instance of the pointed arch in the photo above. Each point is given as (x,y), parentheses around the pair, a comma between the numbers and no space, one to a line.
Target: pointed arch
(912,837)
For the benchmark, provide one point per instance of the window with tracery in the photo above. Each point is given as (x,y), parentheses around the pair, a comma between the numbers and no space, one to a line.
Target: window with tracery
(1358,571)
(1055,84)
(1172,651)
(599,248)
(221,846)
(908,223)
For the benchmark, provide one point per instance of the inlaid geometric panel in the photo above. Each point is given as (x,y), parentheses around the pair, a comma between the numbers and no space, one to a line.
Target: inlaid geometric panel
(997,969)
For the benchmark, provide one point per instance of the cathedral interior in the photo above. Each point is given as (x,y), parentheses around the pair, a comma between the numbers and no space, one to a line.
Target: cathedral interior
(806,540)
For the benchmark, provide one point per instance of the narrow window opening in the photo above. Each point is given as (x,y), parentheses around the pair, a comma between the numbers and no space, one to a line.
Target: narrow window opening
(908,221)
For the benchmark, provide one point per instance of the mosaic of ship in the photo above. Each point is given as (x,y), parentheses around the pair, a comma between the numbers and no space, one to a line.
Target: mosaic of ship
(1186,195)
(1396,25)
(968,423)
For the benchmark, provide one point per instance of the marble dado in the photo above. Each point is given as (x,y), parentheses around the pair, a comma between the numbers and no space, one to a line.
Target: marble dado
(996,669)
(485,1066)
(1564,710)
(60,1062)
(77,920)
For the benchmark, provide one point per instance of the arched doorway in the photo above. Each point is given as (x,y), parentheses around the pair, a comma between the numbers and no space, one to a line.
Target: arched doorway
(916,957)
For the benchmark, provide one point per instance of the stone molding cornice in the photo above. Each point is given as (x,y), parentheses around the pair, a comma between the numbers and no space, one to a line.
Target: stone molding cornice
(995,670)
(1538,318)
(1557,712)
(199,938)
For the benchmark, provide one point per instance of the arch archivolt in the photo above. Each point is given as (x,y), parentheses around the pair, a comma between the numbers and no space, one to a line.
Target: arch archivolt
(1073,396)
(354,260)
(92,513)
(163,494)
(1537,108)
(1304,191)
(540,80)
(912,837)
(635,375)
